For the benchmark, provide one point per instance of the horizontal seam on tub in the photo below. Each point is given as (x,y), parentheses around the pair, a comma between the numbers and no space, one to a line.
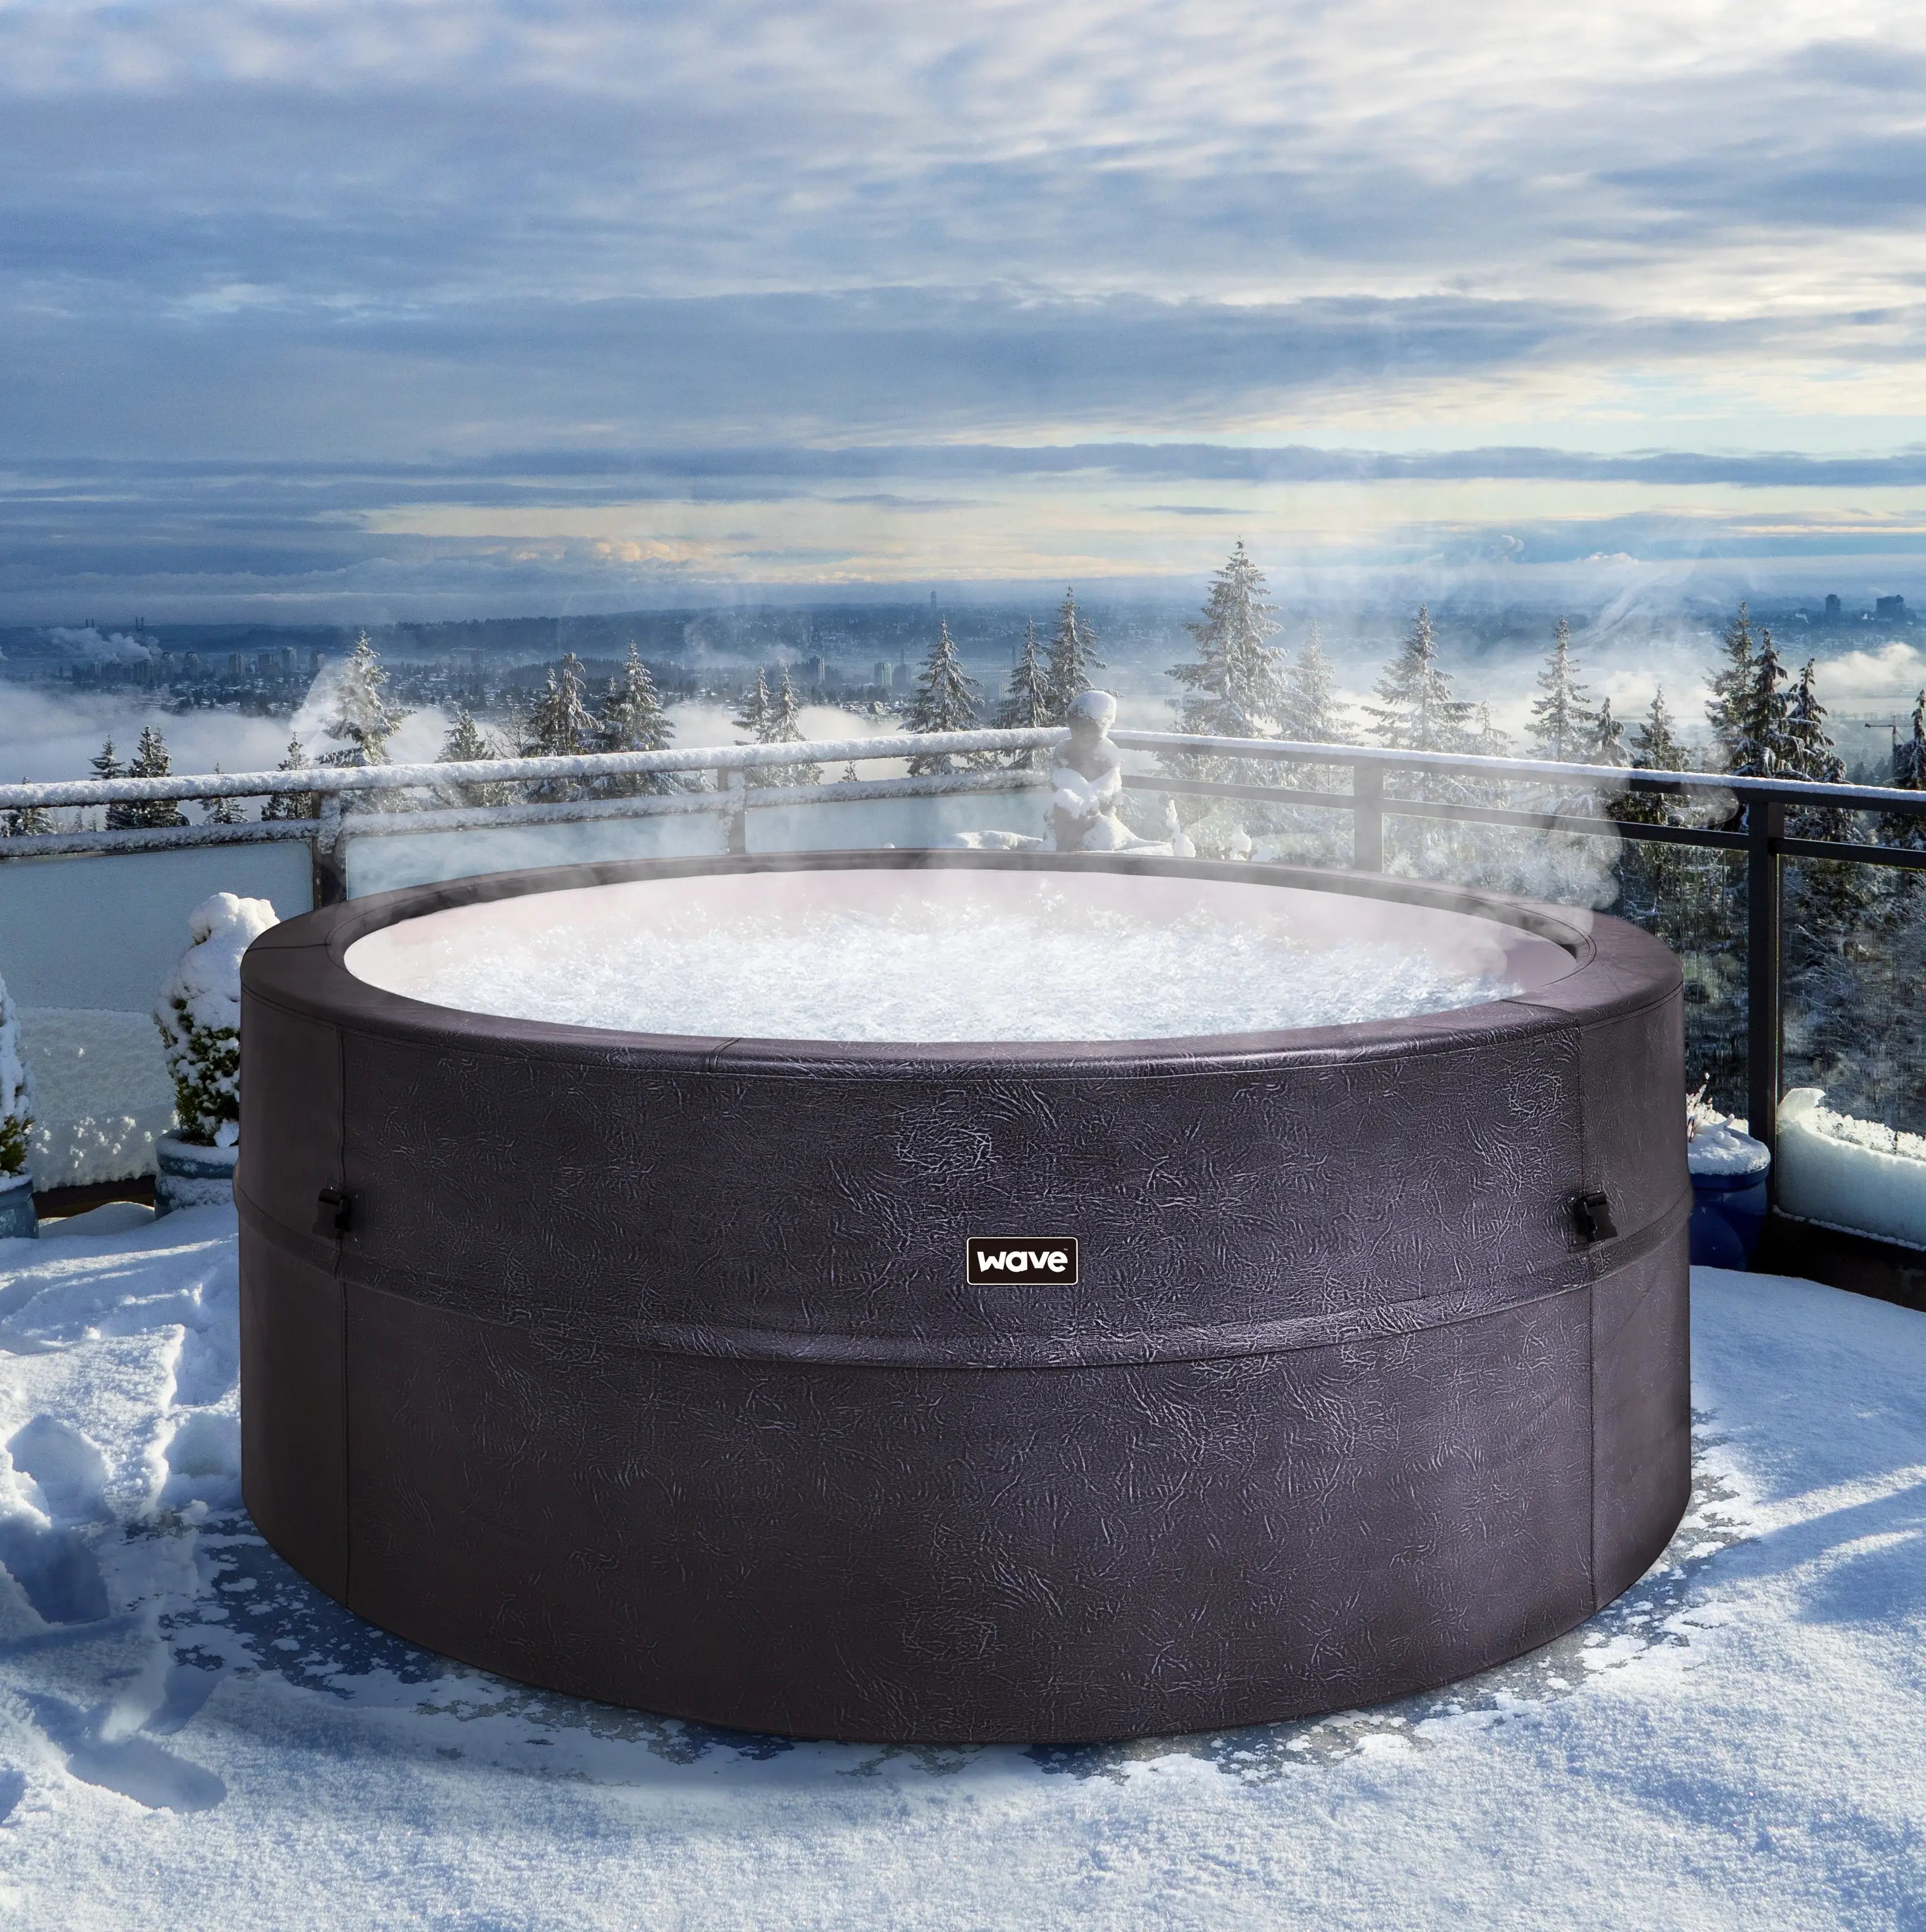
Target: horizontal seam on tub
(1295,1334)
(703,1062)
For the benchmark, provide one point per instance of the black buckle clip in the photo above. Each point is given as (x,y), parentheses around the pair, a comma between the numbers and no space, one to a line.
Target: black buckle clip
(336,1210)
(1593,1213)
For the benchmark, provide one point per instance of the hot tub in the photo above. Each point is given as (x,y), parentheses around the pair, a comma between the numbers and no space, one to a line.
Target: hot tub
(677,1368)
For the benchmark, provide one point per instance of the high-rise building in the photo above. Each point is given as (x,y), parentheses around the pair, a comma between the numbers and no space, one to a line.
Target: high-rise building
(1832,609)
(1890,609)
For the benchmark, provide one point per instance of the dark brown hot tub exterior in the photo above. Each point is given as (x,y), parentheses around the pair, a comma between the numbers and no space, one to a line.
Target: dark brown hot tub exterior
(644,1368)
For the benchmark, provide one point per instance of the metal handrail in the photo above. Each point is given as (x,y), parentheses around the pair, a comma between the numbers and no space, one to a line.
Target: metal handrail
(1754,822)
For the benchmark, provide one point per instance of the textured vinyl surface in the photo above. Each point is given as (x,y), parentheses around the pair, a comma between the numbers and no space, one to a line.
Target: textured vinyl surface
(647,1368)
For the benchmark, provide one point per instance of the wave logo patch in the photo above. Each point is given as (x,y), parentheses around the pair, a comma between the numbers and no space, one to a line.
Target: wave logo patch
(1051,1259)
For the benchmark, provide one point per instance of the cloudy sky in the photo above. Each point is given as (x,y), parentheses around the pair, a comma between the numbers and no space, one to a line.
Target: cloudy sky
(315,308)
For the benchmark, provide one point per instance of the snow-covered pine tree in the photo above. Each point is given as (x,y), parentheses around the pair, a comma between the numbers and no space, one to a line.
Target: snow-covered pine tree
(150,761)
(293,804)
(1072,658)
(1605,743)
(632,718)
(1810,755)
(1731,685)
(107,765)
(1418,712)
(754,718)
(223,810)
(360,720)
(1909,774)
(1310,713)
(1026,699)
(466,743)
(1488,740)
(1236,680)
(1762,744)
(1654,746)
(27,821)
(945,698)
(558,726)
(1563,724)
(784,727)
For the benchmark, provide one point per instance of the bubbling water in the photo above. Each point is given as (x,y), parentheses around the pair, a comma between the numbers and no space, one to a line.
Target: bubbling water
(950,957)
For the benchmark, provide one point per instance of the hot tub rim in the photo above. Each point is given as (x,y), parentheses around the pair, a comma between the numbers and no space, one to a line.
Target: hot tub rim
(325,988)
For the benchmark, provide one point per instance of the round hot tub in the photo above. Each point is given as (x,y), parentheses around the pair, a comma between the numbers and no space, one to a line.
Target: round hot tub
(971,1296)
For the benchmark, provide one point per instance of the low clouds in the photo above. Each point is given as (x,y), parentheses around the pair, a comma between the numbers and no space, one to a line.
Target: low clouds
(353,259)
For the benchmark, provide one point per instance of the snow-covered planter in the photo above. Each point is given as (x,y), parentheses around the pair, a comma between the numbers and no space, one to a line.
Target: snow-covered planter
(1849,1173)
(17,1120)
(199,1014)
(1729,1201)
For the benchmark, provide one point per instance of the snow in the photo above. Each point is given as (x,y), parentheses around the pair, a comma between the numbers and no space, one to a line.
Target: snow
(912,956)
(1725,1148)
(198,1011)
(1850,1173)
(17,1102)
(191,1735)
(104,1095)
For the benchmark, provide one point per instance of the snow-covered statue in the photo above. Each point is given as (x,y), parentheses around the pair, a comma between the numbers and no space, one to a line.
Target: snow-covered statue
(1086,784)
(1086,780)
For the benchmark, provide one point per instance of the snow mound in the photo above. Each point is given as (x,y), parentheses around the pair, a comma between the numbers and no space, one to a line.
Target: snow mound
(1850,1173)
(1725,1148)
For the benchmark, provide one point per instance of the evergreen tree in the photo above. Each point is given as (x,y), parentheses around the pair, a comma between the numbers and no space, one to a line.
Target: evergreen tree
(1487,740)
(1654,748)
(1761,744)
(1606,744)
(754,716)
(1811,754)
(559,726)
(222,810)
(1026,702)
(785,727)
(361,721)
(1909,774)
(26,821)
(466,744)
(1236,680)
(632,718)
(293,804)
(1731,686)
(106,765)
(1418,712)
(1310,713)
(945,699)
(150,761)
(1563,724)
(1072,658)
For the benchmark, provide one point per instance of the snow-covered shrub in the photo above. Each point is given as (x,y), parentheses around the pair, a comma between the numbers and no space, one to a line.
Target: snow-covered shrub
(16,1089)
(199,1014)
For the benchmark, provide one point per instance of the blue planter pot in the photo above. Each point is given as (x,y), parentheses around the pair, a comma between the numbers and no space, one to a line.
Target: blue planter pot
(18,1221)
(189,1175)
(1728,1215)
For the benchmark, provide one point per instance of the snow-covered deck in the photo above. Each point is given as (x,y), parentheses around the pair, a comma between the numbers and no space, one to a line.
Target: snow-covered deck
(191,1735)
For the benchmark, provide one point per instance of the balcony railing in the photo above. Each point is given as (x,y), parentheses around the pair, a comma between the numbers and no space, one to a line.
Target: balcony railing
(1751,813)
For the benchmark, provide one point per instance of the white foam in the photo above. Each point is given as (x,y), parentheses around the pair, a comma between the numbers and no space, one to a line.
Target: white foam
(936,958)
